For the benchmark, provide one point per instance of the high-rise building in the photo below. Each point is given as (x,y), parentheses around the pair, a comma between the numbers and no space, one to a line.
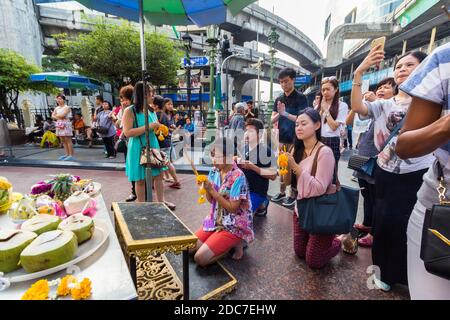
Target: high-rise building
(356,11)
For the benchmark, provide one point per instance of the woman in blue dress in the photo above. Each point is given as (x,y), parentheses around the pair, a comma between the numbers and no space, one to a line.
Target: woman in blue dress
(134,128)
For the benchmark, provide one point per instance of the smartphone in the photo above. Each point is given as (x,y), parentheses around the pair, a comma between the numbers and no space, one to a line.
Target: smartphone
(377,42)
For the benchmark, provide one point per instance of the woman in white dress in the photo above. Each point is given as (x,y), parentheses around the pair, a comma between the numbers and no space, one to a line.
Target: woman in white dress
(64,130)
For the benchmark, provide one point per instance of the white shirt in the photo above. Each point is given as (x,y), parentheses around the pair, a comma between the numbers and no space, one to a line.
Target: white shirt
(387,114)
(327,132)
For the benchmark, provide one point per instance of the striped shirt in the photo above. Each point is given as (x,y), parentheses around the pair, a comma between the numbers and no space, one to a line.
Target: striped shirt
(431,81)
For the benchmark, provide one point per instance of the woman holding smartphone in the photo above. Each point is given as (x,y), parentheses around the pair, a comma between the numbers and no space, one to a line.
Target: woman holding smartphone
(396,180)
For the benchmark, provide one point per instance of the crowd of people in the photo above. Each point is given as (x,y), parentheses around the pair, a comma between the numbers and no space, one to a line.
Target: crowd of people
(403,124)
(406,129)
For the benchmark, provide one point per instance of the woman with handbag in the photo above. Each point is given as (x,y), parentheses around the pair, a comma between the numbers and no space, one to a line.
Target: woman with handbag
(126,98)
(106,129)
(427,129)
(366,148)
(134,128)
(397,180)
(64,131)
(317,249)
(165,107)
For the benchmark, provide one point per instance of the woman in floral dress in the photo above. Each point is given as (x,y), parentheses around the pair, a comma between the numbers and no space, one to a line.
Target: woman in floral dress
(230,221)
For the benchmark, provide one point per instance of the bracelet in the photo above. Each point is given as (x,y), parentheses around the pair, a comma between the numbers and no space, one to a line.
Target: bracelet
(285,114)
(358,84)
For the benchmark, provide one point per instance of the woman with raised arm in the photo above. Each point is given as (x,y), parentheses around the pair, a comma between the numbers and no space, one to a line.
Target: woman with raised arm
(396,180)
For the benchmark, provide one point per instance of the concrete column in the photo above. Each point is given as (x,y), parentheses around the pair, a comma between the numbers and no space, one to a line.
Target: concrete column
(405,43)
(432,38)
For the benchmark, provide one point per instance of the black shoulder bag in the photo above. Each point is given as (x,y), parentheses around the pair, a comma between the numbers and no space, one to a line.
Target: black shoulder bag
(435,248)
(104,130)
(366,165)
(329,213)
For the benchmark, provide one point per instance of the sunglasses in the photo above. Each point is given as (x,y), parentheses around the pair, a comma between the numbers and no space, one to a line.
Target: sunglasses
(328,79)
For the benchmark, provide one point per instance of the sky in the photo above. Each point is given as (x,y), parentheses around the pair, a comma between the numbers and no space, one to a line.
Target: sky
(308,16)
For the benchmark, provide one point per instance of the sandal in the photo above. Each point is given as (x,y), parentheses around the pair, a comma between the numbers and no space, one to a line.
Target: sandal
(170,205)
(261,212)
(350,242)
(366,242)
(175,185)
(362,228)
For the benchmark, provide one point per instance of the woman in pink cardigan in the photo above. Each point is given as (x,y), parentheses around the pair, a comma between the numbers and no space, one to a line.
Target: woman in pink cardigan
(317,249)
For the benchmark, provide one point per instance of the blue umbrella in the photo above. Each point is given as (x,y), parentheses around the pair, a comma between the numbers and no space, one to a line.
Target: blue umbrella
(168,12)
(67,80)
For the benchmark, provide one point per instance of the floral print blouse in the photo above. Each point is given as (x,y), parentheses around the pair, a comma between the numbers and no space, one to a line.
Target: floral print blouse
(234,188)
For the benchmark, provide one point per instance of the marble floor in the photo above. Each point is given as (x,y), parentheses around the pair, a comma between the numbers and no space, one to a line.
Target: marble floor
(269,269)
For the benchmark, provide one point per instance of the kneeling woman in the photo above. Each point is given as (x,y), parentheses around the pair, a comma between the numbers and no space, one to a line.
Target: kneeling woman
(230,222)
(317,249)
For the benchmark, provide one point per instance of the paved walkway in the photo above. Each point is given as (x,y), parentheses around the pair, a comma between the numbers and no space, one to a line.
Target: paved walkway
(269,269)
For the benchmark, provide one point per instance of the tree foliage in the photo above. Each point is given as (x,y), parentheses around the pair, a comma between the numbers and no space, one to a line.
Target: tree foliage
(15,74)
(54,64)
(111,53)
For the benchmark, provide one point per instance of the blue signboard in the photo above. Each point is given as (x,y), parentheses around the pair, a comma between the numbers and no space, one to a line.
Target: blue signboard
(300,80)
(196,61)
(373,77)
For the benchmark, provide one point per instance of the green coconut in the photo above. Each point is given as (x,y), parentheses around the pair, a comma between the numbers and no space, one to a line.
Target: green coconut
(81,225)
(12,243)
(49,250)
(41,223)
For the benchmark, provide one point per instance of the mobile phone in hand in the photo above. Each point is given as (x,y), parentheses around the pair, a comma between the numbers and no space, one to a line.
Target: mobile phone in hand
(378,41)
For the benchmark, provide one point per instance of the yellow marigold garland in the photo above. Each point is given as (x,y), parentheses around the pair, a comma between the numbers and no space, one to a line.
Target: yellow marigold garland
(67,285)
(5,184)
(283,163)
(162,132)
(38,291)
(82,290)
(202,191)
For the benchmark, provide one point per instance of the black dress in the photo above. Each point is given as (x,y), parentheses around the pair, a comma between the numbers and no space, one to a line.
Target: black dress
(396,195)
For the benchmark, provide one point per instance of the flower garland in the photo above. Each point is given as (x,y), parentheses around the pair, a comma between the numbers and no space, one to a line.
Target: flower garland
(67,285)
(202,191)
(162,132)
(38,291)
(283,163)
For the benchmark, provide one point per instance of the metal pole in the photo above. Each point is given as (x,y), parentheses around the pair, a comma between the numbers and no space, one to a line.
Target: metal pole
(211,115)
(259,86)
(148,170)
(188,75)
(227,93)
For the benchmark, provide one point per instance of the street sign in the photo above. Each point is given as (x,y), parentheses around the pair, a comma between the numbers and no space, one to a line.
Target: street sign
(305,79)
(196,61)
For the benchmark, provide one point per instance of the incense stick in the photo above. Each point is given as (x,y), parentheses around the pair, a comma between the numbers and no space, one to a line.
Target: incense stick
(191,162)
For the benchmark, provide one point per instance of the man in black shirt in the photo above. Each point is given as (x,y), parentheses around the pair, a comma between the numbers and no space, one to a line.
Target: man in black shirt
(257,165)
(285,112)
(251,112)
